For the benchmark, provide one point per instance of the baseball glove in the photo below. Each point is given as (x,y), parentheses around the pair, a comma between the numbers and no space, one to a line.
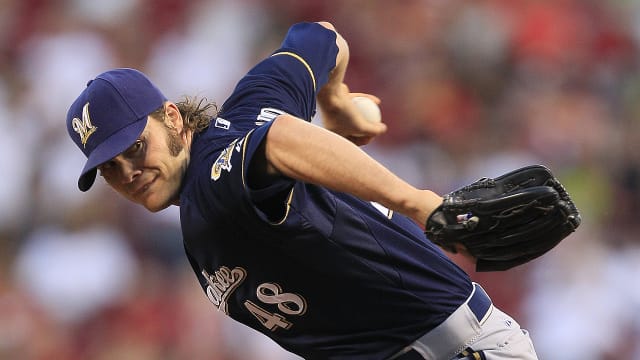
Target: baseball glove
(506,221)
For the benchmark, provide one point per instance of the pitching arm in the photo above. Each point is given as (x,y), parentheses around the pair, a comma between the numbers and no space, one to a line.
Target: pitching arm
(309,153)
(339,114)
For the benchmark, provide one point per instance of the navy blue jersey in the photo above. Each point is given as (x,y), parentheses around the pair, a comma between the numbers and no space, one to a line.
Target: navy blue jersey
(324,274)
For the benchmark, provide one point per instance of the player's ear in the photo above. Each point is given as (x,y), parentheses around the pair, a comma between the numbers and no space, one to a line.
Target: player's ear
(173,116)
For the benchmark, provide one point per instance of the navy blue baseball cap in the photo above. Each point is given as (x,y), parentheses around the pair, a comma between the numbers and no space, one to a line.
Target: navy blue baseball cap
(109,116)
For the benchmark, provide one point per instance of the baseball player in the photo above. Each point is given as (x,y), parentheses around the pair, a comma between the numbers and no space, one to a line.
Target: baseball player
(291,229)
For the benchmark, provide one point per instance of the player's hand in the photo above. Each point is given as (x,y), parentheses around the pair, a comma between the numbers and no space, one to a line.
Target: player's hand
(340,115)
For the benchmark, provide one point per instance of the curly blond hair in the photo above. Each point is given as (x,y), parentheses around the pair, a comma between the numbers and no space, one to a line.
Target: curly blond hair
(196,113)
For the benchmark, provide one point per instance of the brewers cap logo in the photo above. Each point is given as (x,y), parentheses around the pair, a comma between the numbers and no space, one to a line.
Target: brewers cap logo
(83,127)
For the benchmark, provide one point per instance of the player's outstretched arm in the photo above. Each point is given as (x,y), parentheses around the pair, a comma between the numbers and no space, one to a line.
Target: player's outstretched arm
(339,114)
(309,153)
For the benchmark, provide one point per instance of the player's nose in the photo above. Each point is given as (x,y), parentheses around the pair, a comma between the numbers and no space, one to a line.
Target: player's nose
(128,171)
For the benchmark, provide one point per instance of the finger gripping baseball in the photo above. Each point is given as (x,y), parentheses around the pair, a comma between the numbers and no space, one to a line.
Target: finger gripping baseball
(506,221)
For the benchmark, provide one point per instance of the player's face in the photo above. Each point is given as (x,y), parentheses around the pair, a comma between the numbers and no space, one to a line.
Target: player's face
(150,171)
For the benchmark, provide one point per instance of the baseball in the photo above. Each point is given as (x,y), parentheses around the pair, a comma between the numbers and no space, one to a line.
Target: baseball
(368,108)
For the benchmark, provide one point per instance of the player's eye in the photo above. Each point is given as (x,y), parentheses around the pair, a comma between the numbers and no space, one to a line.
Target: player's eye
(135,150)
(106,168)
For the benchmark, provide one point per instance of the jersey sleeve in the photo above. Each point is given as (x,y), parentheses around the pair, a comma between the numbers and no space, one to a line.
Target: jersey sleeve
(289,79)
(314,47)
(229,182)
(285,82)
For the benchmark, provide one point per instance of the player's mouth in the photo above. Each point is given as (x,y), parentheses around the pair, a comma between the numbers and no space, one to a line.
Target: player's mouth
(142,190)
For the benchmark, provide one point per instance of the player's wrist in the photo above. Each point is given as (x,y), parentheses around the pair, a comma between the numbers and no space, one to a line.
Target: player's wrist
(432,204)
(420,206)
(331,96)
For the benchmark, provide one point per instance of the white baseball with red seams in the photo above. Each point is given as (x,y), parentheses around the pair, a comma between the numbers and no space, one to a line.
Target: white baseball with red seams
(368,108)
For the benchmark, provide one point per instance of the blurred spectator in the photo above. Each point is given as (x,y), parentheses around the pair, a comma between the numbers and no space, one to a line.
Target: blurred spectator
(72,274)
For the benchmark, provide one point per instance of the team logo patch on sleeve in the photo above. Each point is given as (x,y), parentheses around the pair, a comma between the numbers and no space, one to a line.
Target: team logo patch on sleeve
(223,162)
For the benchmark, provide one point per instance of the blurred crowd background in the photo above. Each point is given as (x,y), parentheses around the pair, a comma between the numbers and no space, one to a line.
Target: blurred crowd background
(468,89)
